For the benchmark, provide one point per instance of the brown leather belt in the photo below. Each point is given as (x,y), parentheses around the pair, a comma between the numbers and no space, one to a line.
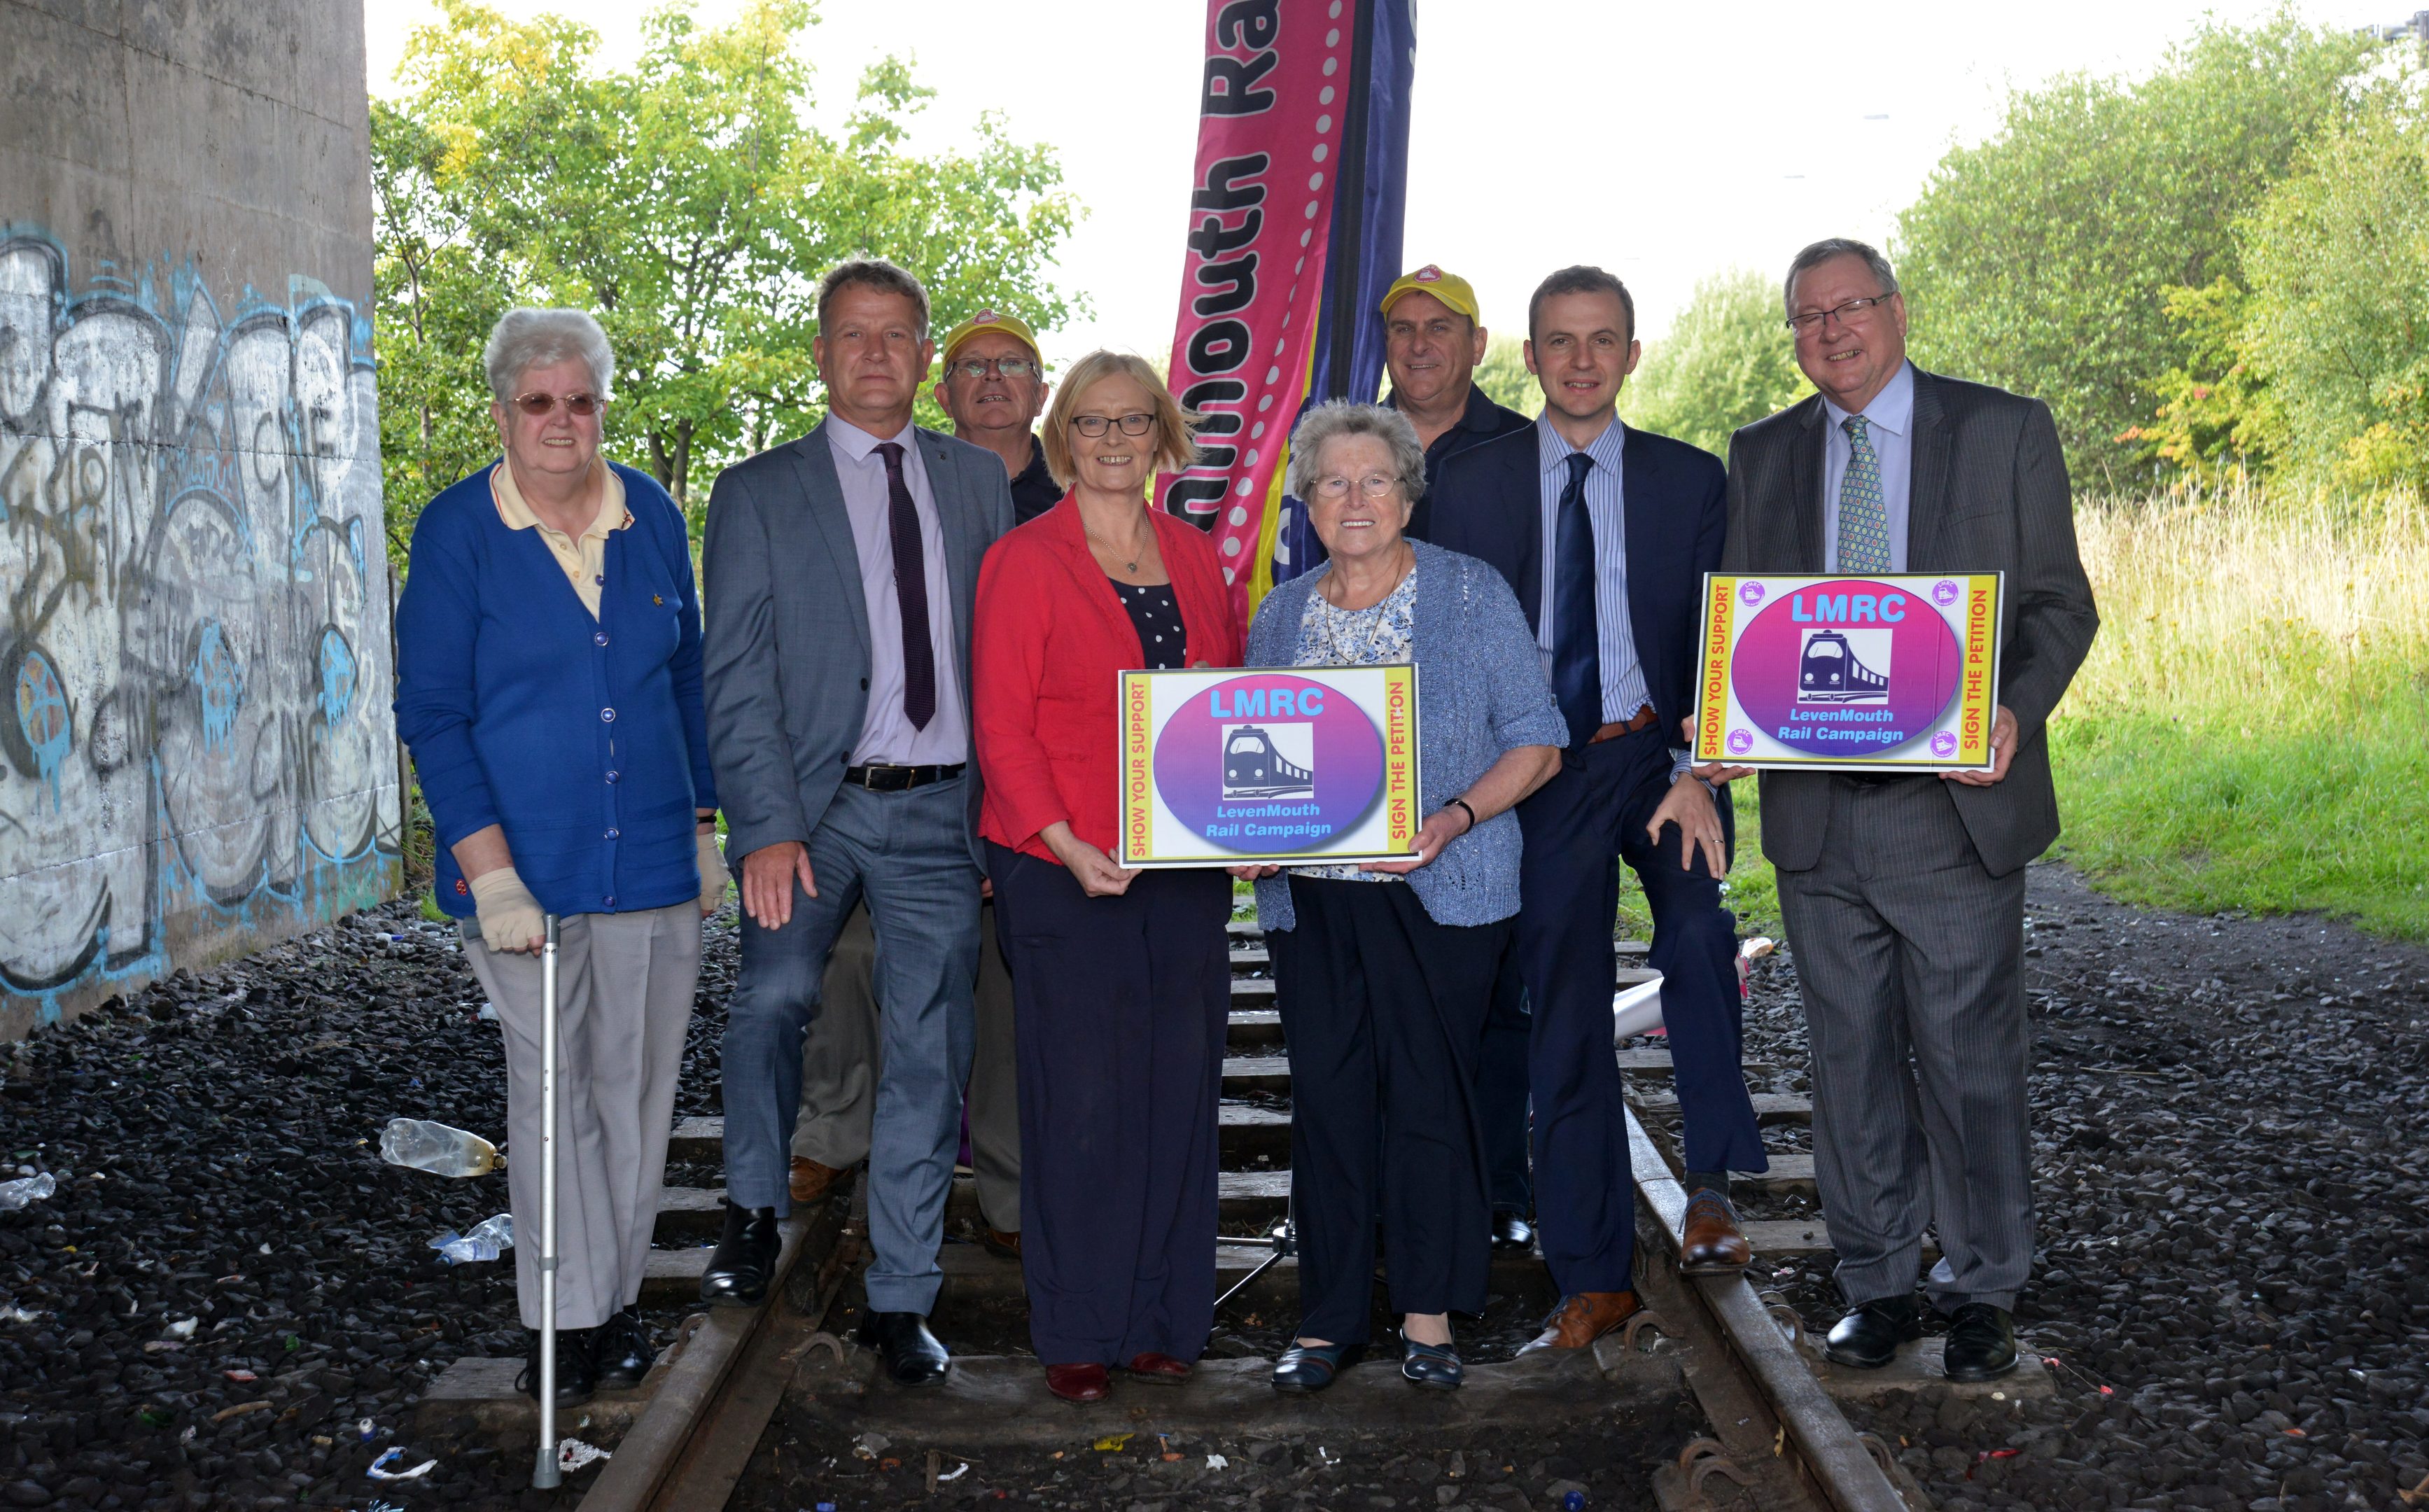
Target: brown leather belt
(1638,720)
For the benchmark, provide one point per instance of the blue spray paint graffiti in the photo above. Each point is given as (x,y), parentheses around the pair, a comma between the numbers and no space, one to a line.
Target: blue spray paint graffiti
(187,622)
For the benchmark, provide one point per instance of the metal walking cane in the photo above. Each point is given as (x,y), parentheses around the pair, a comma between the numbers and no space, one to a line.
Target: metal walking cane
(545,1474)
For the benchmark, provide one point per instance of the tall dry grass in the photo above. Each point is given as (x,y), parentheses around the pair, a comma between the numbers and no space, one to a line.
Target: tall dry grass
(2252,728)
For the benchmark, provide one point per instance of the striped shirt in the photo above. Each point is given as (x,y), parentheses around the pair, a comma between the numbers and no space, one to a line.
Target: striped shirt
(1623,677)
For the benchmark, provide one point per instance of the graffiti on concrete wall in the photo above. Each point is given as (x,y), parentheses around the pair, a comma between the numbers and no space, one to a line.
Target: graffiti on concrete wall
(196,752)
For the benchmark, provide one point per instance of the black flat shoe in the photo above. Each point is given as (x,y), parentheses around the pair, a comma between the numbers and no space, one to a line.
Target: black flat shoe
(575,1380)
(621,1353)
(1981,1343)
(912,1354)
(1868,1337)
(1434,1367)
(1510,1231)
(1306,1368)
(737,1274)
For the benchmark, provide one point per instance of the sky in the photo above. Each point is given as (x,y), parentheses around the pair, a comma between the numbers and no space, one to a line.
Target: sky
(1667,143)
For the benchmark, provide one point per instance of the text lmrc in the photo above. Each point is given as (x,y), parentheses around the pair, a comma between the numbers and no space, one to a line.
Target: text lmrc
(1259,703)
(1842,609)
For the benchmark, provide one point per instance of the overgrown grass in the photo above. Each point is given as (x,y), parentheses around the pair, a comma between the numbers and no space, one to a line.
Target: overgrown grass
(2251,729)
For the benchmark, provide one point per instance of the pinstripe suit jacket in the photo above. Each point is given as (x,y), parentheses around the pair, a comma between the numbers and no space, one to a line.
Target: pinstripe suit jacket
(1989,493)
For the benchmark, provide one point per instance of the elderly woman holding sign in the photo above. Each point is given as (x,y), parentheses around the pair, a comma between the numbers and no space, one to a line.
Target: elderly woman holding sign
(1383,972)
(1120,979)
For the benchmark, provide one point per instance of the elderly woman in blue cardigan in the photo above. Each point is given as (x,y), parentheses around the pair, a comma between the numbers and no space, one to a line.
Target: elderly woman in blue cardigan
(549,686)
(1383,972)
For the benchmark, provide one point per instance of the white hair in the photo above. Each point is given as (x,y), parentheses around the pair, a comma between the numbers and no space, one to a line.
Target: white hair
(525,339)
(1331,421)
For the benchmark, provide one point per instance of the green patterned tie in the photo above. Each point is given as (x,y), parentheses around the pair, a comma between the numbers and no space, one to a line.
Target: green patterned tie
(1863,514)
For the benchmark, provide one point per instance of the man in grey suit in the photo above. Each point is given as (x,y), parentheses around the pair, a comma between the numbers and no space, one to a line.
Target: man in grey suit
(838,575)
(1904,894)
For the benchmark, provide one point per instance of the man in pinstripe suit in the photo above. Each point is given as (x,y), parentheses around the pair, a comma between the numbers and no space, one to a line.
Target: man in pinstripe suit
(1904,894)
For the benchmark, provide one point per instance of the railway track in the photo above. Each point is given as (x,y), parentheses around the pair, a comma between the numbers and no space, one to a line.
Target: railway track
(1777,1438)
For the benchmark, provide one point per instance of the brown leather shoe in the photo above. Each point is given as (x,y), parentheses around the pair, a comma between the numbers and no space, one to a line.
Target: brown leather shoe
(1162,1368)
(1711,1243)
(1001,1245)
(1583,1317)
(811,1180)
(1077,1382)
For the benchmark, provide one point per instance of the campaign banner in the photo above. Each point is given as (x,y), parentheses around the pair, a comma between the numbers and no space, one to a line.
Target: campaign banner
(1287,126)
(1225,766)
(1889,670)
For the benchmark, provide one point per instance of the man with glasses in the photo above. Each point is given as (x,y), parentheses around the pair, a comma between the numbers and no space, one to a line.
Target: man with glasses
(1904,894)
(1604,531)
(993,388)
(839,573)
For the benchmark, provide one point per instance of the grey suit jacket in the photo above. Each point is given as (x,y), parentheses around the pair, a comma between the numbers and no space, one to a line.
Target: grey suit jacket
(1989,493)
(784,625)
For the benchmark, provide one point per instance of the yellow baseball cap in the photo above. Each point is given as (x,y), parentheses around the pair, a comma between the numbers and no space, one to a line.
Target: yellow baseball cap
(983,321)
(1450,289)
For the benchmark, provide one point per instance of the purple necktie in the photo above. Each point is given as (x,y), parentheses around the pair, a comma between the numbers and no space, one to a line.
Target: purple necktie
(910,591)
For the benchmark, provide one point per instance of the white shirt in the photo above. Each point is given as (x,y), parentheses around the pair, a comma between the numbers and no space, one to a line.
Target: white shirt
(1889,427)
(888,736)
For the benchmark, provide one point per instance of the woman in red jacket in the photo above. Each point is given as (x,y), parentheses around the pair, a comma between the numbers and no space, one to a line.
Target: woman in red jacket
(1121,989)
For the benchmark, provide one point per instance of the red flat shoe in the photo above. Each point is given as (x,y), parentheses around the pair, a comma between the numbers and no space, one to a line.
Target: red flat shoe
(1162,1368)
(1077,1382)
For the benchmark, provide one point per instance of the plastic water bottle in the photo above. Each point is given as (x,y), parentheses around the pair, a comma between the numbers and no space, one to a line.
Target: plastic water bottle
(15,1194)
(486,1242)
(422,1145)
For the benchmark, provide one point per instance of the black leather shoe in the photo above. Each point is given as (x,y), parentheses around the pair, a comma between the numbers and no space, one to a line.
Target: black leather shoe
(913,1355)
(1306,1368)
(619,1351)
(1434,1367)
(1869,1336)
(737,1274)
(1981,1343)
(1510,1231)
(575,1379)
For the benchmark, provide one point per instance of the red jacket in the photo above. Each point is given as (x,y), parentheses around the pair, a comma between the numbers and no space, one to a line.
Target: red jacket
(1049,636)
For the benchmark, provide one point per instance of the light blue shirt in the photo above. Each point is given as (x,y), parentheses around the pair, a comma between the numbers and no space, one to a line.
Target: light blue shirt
(1890,429)
(1622,676)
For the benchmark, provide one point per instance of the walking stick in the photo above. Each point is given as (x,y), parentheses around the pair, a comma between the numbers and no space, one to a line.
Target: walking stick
(545,1474)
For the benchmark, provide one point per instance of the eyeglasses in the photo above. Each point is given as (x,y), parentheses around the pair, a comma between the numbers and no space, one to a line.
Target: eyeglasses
(1374,485)
(1847,314)
(1095,425)
(536,406)
(1001,367)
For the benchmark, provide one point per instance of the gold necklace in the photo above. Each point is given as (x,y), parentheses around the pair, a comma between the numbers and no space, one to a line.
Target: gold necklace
(1408,560)
(1131,566)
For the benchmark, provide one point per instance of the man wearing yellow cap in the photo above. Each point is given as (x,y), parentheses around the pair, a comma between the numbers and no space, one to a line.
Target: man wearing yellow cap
(1431,344)
(1433,341)
(993,388)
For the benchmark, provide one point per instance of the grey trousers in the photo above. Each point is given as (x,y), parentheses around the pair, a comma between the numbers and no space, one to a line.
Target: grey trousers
(1910,956)
(843,1056)
(624,992)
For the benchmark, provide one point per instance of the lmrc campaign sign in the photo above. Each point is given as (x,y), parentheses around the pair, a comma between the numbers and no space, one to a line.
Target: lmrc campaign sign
(1294,765)
(1897,671)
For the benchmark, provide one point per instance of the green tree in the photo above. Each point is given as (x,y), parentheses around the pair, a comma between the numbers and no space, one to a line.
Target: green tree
(1726,362)
(2337,325)
(691,205)
(2038,259)
(1504,378)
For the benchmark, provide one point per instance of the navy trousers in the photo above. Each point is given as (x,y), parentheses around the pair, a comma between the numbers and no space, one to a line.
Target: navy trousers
(1501,1088)
(1121,1007)
(1579,828)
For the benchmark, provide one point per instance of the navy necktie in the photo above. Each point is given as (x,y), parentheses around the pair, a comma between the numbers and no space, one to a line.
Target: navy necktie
(1576,643)
(910,592)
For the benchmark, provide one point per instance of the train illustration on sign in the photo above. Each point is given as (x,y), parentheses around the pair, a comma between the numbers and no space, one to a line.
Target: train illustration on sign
(1829,672)
(1252,768)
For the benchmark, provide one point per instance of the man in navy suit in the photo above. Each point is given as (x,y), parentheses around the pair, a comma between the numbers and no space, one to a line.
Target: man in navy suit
(1605,532)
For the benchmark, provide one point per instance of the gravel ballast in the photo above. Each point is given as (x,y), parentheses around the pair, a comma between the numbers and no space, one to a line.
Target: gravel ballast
(2228,1119)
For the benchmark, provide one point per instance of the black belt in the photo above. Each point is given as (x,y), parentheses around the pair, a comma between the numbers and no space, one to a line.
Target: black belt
(899,779)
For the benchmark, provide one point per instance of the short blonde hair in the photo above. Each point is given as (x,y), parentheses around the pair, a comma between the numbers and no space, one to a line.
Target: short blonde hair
(1176,429)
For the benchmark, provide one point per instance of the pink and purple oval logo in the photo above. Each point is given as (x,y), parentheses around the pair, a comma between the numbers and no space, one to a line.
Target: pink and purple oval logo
(1847,667)
(1267,762)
